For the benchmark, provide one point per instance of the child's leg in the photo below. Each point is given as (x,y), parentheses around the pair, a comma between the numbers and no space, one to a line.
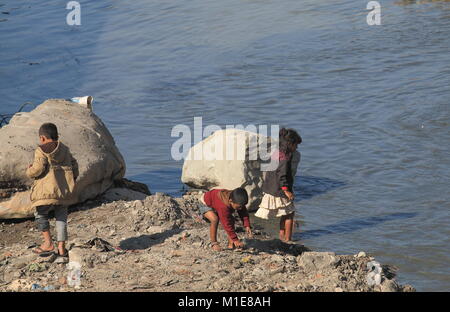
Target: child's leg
(230,243)
(42,224)
(283,228)
(289,226)
(214,223)
(61,228)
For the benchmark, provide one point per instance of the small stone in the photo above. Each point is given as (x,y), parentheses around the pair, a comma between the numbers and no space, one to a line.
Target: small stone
(18,274)
(338,289)
(317,260)
(277,270)
(104,258)
(408,288)
(389,286)
(20,285)
(62,280)
(197,244)
(361,254)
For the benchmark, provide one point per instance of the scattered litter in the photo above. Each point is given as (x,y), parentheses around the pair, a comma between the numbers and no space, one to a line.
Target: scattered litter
(101,245)
(74,275)
(169,282)
(143,287)
(246,259)
(374,275)
(37,267)
(39,287)
(84,100)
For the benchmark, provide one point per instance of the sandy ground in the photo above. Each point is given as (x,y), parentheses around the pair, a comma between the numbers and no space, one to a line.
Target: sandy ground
(160,244)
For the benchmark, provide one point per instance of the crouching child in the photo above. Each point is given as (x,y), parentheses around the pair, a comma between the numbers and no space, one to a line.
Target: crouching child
(54,171)
(221,205)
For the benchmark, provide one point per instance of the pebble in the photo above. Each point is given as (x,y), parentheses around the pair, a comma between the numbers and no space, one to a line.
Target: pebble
(361,254)
(277,270)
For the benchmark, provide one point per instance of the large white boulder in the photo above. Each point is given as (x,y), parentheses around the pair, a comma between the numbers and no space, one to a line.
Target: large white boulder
(229,159)
(100,162)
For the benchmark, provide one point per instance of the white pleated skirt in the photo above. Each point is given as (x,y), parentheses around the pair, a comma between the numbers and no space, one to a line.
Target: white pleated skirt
(272,206)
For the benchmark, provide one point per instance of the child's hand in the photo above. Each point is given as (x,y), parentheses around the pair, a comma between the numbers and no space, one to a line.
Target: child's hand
(249,232)
(289,195)
(238,244)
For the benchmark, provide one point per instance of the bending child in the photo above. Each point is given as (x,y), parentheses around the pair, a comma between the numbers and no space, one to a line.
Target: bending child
(54,171)
(222,204)
(278,198)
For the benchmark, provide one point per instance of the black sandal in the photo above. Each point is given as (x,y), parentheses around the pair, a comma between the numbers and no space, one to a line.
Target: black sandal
(64,258)
(43,253)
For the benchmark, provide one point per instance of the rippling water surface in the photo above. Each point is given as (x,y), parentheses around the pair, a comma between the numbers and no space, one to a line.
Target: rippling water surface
(371,102)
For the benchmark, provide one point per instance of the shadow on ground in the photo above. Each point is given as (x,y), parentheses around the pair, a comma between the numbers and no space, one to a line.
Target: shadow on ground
(275,246)
(146,241)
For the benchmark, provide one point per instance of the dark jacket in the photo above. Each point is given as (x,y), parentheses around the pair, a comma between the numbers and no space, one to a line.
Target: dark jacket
(282,177)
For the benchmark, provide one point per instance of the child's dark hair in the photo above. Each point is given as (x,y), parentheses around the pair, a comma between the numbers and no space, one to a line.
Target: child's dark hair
(239,196)
(288,139)
(49,130)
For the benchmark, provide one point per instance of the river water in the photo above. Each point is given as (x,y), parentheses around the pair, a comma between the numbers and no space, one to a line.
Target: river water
(371,102)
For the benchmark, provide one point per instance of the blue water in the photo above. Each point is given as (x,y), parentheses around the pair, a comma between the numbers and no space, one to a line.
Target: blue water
(371,102)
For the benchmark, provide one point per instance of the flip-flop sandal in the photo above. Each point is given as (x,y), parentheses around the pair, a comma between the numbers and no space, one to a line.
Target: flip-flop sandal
(43,253)
(62,258)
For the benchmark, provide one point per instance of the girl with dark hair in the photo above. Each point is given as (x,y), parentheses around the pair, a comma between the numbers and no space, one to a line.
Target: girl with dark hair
(278,198)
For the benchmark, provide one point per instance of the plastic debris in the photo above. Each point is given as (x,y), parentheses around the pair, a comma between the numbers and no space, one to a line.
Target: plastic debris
(39,287)
(84,100)
(374,275)
(74,274)
(100,244)
(246,259)
(37,267)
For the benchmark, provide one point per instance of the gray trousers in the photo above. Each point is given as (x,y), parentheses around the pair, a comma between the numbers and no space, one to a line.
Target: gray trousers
(42,224)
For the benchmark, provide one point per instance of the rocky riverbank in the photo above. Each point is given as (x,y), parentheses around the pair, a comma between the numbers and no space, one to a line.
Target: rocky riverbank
(159,244)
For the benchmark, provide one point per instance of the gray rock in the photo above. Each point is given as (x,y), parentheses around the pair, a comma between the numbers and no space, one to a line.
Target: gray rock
(100,162)
(317,260)
(226,159)
(389,286)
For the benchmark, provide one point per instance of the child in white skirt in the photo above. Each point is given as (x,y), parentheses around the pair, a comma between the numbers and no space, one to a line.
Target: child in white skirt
(278,198)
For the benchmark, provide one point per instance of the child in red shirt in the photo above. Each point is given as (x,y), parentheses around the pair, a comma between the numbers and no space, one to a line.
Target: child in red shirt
(223,204)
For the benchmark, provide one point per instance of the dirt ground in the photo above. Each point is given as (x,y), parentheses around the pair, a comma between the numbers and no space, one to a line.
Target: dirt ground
(160,244)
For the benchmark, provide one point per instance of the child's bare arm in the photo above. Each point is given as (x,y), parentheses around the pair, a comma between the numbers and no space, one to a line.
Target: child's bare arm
(38,167)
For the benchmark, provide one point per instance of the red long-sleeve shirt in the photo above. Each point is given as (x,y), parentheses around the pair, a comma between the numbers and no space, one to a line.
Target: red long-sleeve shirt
(225,212)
